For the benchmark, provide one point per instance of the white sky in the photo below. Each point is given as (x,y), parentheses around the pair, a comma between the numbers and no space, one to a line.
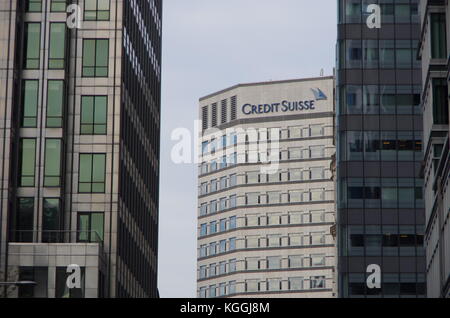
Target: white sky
(209,45)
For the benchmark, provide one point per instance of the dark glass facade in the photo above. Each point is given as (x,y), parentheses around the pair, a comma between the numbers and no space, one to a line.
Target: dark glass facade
(140,146)
(380,208)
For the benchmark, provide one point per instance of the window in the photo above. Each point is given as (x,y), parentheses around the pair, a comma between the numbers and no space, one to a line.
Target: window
(317,173)
(231,287)
(316,130)
(295,261)
(232,223)
(232,201)
(213,227)
(212,248)
(30,103)
(202,292)
(34,274)
(58,6)
(222,268)
(295,153)
(252,285)
(252,241)
(212,270)
(252,220)
(252,263)
(318,238)
(27,162)
(62,291)
(202,272)
(32,45)
(52,166)
(440,102)
(232,265)
(34,6)
(317,151)
(232,244)
(274,284)
(318,260)
(274,240)
(95,57)
(296,283)
(213,185)
(203,229)
(92,173)
(93,115)
(222,289)
(274,262)
(24,220)
(274,219)
(51,221)
(295,174)
(55,100)
(274,197)
(252,177)
(213,206)
(252,198)
(96,10)
(57,49)
(317,282)
(438,36)
(233,180)
(222,246)
(223,182)
(90,226)
(203,251)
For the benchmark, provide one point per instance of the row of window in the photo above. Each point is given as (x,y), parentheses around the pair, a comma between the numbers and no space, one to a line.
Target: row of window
(262,135)
(356,11)
(374,192)
(255,177)
(93,120)
(269,241)
(92,166)
(256,198)
(225,113)
(95,59)
(266,219)
(375,54)
(381,145)
(294,153)
(379,99)
(270,285)
(94,10)
(256,263)
(218,226)
(90,225)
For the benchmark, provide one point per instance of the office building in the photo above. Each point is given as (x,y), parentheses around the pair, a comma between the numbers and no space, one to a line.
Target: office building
(380,206)
(434,54)
(79,147)
(266,194)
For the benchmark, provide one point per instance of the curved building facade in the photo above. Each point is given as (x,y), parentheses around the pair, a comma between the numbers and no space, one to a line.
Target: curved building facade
(266,194)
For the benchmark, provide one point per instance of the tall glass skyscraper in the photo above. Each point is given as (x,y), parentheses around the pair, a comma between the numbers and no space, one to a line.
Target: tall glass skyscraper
(380,204)
(79,146)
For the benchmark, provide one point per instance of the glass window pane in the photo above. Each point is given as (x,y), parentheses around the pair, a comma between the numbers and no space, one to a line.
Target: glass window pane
(30,103)
(33,45)
(28,160)
(52,162)
(57,45)
(55,103)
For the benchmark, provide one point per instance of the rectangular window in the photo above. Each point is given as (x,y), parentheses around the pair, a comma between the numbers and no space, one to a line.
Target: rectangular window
(440,102)
(92,173)
(295,261)
(90,227)
(317,282)
(51,221)
(438,36)
(34,6)
(32,45)
(55,101)
(30,103)
(96,10)
(24,220)
(274,262)
(296,283)
(274,284)
(34,274)
(52,168)
(95,57)
(58,6)
(57,49)
(62,291)
(93,115)
(27,162)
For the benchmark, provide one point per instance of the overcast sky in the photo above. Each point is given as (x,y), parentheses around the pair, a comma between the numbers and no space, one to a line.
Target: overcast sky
(209,45)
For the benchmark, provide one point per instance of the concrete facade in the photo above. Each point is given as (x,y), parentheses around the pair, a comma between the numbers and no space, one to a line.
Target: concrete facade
(266,194)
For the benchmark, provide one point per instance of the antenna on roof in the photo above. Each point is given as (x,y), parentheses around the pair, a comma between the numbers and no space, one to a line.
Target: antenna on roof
(321,72)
